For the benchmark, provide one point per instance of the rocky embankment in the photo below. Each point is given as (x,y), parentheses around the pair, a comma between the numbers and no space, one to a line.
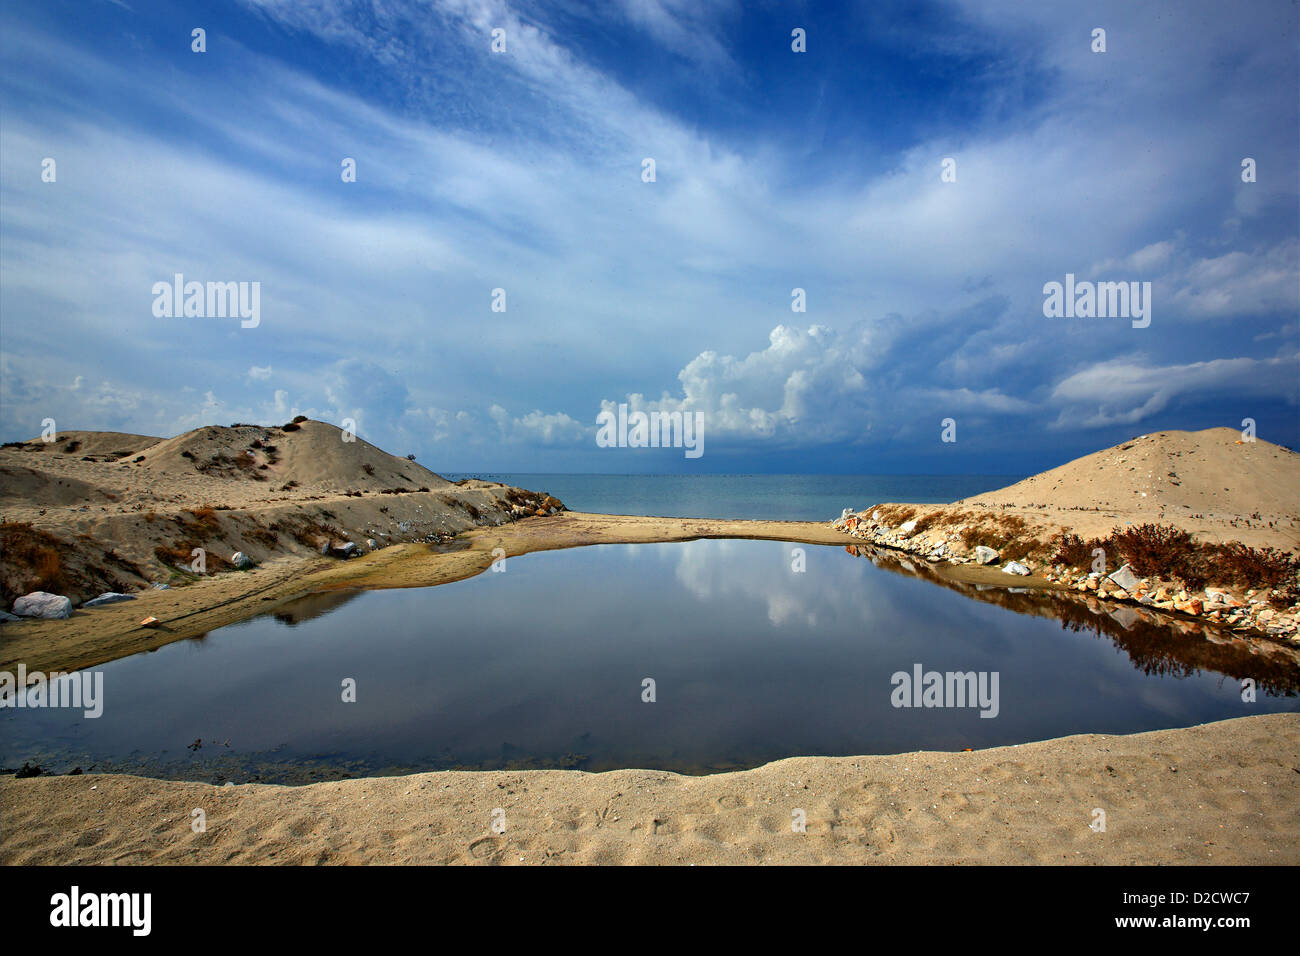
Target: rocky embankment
(1030,555)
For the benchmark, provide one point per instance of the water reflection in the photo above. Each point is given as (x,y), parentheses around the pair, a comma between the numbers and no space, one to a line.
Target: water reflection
(757,653)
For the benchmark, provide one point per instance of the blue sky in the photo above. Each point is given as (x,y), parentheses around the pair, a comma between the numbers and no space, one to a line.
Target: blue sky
(775,170)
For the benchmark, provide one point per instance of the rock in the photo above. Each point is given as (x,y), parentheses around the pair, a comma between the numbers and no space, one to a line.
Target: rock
(109,597)
(43,604)
(984,555)
(1125,578)
(370,543)
(342,549)
(150,622)
(6,617)
(907,527)
(241,560)
(851,522)
(162,587)
(1015,567)
(1120,595)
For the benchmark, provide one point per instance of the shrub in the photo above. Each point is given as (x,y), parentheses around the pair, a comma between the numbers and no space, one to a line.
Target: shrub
(1241,566)
(299,419)
(1073,551)
(32,558)
(1158,551)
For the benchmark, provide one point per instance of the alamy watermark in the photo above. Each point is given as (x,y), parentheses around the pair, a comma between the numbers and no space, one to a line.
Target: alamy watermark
(1102,300)
(651,430)
(84,689)
(212,300)
(923,688)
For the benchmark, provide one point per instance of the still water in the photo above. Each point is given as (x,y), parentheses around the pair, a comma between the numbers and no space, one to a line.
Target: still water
(544,665)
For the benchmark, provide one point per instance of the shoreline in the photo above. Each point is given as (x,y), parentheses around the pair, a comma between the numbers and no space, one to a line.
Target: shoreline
(1220,793)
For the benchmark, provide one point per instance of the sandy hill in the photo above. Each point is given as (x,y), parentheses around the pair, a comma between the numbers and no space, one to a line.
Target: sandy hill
(311,454)
(112,445)
(97,511)
(1211,473)
(1210,484)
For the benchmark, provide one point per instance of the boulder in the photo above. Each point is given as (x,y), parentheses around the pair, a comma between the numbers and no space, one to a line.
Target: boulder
(1015,567)
(43,604)
(109,597)
(984,555)
(342,549)
(241,560)
(907,527)
(1125,578)
(6,617)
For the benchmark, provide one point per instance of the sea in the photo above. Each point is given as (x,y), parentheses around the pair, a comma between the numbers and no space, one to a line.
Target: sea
(759,497)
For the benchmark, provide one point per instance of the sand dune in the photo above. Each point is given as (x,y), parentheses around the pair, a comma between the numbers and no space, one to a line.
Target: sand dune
(1210,477)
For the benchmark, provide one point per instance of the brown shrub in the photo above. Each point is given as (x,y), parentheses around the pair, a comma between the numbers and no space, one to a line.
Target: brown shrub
(32,560)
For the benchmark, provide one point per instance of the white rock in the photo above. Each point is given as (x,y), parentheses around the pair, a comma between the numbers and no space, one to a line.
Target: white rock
(1126,579)
(1015,567)
(986,555)
(109,597)
(43,604)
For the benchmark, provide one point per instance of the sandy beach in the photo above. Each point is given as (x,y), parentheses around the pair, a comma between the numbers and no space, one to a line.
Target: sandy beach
(1221,793)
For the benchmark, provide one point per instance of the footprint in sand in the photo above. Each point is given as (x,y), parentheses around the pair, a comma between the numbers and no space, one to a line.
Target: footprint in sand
(485,848)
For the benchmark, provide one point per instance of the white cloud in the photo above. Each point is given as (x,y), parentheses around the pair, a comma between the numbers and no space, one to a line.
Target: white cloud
(1126,391)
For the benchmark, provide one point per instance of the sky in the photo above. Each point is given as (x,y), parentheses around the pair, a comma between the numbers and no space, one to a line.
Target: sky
(775,170)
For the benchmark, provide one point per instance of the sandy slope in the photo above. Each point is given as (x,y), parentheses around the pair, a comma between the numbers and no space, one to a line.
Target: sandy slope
(1222,793)
(1208,482)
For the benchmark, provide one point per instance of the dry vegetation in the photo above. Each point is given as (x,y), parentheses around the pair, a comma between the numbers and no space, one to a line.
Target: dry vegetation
(1169,553)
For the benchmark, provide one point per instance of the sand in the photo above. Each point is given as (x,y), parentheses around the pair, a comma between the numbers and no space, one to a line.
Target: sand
(1221,793)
